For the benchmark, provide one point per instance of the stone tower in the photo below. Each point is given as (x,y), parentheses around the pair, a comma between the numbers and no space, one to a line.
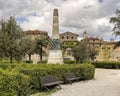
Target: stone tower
(85,35)
(55,53)
(55,30)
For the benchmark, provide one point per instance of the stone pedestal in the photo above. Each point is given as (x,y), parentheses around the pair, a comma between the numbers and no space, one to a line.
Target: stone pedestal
(55,57)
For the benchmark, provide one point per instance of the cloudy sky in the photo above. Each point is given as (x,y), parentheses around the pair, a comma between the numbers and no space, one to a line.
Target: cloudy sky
(74,15)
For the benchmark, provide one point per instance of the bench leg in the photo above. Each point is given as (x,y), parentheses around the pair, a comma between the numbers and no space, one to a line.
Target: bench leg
(70,81)
(60,87)
(47,88)
(44,88)
(116,66)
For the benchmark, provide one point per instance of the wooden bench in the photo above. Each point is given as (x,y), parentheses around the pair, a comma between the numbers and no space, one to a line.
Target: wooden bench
(108,66)
(70,77)
(48,81)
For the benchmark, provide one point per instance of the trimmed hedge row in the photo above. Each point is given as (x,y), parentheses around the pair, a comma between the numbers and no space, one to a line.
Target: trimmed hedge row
(83,71)
(69,62)
(14,84)
(24,79)
(109,65)
(7,66)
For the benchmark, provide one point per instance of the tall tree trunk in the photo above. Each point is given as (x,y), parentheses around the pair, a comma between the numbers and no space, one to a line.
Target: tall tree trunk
(41,53)
(79,60)
(29,57)
(18,59)
(11,56)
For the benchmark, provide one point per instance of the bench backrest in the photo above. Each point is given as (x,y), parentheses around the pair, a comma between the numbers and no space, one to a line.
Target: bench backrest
(69,75)
(48,79)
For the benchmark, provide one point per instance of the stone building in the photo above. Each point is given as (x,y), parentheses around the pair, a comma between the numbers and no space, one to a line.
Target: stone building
(68,40)
(106,51)
(68,36)
(37,34)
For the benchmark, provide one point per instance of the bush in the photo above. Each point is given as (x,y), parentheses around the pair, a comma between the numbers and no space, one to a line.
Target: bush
(24,88)
(112,65)
(8,83)
(83,71)
(24,79)
(14,84)
(6,66)
(88,72)
(69,61)
(43,61)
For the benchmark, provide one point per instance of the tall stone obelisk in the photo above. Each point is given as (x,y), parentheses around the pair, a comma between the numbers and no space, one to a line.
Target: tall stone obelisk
(55,53)
(55,30)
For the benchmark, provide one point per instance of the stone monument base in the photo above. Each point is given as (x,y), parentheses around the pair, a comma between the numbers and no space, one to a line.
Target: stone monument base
(55,57)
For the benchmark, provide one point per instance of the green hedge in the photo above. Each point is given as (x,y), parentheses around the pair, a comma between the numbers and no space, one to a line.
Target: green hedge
(83,71)
(69,62)
(6,66)
(8,84)
(24,79)
(14,84)
(110,65)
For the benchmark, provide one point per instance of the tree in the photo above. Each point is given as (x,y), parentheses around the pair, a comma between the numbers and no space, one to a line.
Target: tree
(19,51)
(92,53)
(28,47)
(106,52)
(84,52)
(116,29)
(3,46)
(81,52)
(67,44)
(116,21)
(10,33)
(40,44)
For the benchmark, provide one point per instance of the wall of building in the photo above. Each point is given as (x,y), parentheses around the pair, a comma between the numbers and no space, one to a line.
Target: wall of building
(68,40)
(106,51)
(37,34)
(68,36)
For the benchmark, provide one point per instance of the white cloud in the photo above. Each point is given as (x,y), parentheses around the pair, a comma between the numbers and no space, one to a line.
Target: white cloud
(74,15)
(102,21)
(80,15)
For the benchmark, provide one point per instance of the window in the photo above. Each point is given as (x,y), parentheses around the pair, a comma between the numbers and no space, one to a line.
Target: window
(68,52)
(72,37)
(62,37)
(67,37)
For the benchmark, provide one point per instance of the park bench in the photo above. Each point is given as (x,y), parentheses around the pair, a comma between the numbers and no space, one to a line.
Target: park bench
(115,66)
(70,77)
(107,66)
(48,81)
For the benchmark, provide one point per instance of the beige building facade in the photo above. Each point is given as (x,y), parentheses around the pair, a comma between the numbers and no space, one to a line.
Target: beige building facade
(37,34)
(106,50)
(68,41)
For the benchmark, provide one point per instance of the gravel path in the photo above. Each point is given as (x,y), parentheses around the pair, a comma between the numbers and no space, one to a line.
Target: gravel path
(105,83)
